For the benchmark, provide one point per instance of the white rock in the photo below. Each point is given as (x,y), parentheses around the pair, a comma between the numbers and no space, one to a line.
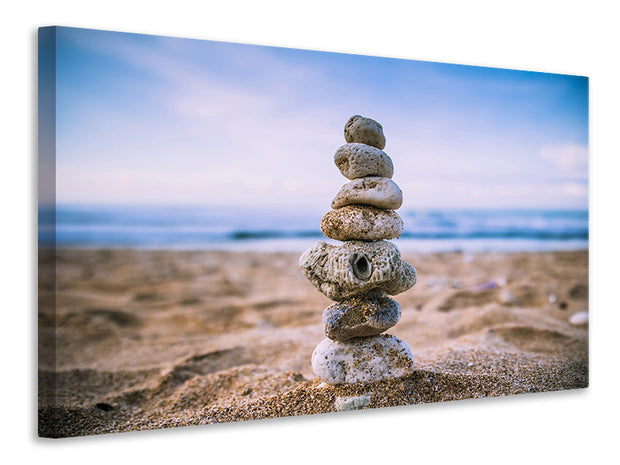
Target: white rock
(351,402)
(359,160)
(356,268)
(580,318)
(364,360)
(507,297)
(361,222)
(365,131)
(371,190)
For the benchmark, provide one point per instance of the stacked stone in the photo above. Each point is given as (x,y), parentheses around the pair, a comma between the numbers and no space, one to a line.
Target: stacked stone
(361,272)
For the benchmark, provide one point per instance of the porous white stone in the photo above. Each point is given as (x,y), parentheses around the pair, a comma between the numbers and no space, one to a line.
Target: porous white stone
(363,360)
(356,268)
(360,316)
(359,160)
(371,190)
(361,222)
(364,130)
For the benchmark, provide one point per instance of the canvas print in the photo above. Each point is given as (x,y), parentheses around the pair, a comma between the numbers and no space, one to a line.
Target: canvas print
(233,232)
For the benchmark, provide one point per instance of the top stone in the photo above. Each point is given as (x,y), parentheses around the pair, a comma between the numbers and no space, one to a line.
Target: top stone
(365,131)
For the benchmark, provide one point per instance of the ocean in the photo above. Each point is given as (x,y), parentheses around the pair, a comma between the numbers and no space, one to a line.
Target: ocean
(294,230)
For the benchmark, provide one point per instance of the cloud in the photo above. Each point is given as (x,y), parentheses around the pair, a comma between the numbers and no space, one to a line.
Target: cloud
(570,160)
(575,189)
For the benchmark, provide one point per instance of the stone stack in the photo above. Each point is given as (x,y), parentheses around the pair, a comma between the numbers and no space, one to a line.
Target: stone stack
(361,272)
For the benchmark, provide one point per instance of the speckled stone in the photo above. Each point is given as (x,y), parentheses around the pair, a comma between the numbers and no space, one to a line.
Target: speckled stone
(371,190)
(359,160)
(357,268)
(363,360)
(361,222)
(360,317)
(365,131)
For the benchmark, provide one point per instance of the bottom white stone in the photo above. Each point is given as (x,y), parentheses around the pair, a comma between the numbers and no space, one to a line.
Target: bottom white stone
(362,360)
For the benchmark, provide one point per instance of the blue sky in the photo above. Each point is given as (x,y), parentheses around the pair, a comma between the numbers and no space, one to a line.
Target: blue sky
(156,120)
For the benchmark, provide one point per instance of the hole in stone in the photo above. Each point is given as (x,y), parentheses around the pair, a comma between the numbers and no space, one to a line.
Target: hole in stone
(103,406)
(362,268)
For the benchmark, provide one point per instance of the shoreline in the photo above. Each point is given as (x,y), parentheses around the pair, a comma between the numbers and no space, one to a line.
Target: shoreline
(404,245)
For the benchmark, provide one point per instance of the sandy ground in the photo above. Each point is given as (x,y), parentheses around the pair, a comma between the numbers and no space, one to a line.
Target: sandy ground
(152,339)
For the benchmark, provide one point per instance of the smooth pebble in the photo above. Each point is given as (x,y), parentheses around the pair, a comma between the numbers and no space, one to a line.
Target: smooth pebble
(371,190)
(580,318)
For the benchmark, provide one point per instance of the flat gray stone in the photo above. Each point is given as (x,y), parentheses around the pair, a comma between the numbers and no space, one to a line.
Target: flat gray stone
(371,190)
(361,222)
(364,130)
(364,360)
(359,160)
(357,268)
(360,316)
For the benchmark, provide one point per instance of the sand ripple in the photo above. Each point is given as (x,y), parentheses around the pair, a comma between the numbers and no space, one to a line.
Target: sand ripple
(161,339)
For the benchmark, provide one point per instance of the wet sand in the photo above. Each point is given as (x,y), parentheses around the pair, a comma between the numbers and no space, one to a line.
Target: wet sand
(152,339)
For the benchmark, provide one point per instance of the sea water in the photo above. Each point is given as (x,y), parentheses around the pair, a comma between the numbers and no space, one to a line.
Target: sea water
(293,230)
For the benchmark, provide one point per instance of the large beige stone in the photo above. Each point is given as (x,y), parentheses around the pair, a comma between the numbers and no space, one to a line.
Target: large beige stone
(363,360)
(371,190)
(361,222)
(364,130)
(357,268)
(359,160)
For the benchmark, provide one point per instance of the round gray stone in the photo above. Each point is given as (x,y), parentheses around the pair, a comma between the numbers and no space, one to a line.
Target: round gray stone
(359,160)
(360,316)
(363,360)
(364,130)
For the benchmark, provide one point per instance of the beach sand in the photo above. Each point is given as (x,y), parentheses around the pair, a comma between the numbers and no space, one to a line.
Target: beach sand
(154,339)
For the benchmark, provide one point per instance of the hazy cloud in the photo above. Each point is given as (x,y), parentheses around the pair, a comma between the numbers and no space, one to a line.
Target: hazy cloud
(571,160)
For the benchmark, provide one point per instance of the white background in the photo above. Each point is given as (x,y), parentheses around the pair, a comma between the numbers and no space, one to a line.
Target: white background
(563,37)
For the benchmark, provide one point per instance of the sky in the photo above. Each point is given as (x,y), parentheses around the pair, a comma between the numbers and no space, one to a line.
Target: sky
(166,121)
